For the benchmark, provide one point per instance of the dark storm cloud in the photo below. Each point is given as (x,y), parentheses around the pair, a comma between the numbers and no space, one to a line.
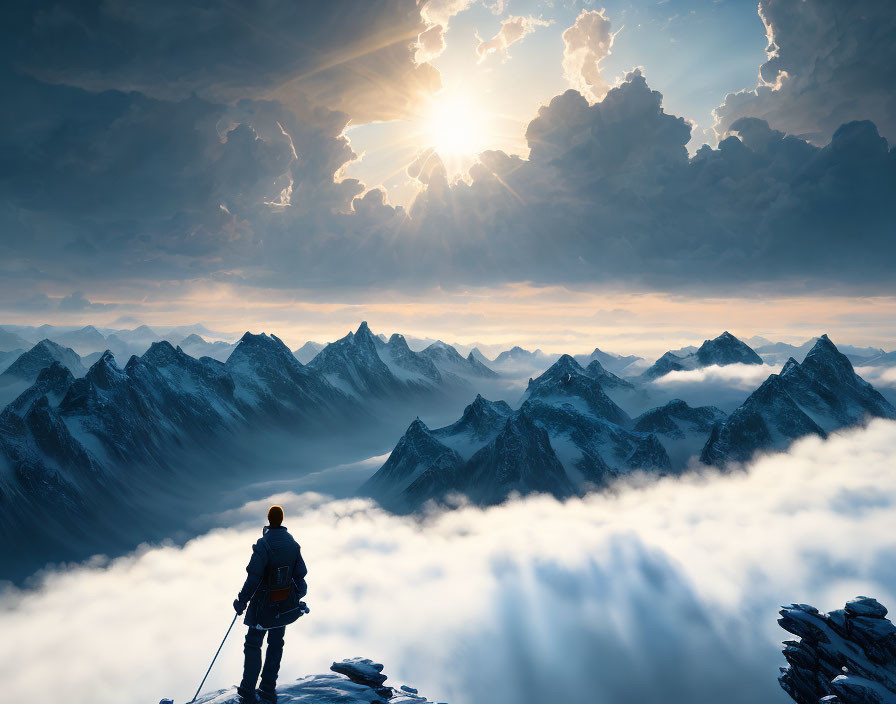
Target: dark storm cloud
(343,54)
(160,184)
(829,62)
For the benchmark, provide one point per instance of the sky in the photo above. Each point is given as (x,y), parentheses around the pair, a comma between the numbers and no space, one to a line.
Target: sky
(497,171)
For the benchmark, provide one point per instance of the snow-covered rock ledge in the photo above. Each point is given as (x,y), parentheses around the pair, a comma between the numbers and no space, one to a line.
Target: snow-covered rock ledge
(353,681)
(847,656)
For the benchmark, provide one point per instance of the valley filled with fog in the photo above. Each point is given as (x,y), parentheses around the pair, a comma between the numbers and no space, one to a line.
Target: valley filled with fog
(667,593)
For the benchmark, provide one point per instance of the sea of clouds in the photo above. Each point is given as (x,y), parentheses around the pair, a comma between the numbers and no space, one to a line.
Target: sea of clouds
(662,591)
(725,387)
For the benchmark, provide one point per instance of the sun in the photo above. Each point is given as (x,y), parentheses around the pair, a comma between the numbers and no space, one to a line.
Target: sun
(457,128)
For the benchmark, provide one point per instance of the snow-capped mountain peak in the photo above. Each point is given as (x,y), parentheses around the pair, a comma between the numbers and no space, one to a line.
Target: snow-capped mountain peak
(566,382)
(819,395)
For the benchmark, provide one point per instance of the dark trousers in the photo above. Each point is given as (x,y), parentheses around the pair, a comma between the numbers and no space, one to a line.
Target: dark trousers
(252,666)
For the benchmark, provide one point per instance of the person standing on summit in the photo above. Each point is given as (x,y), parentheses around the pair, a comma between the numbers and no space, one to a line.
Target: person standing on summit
(272,591)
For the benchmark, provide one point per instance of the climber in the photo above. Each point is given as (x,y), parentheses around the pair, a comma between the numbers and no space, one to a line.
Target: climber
(273,591)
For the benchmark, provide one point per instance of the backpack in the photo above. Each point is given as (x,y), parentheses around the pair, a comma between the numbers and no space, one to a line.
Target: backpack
(280,604)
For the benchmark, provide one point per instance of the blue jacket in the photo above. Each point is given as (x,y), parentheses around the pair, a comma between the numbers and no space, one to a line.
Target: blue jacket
(276,566)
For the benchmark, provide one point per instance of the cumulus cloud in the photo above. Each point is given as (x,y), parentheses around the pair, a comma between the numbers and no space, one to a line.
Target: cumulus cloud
(513,29)
(667,593)
(828,63)
(586,44)
(161,184)
(436,14)
(613,184)
(120,185)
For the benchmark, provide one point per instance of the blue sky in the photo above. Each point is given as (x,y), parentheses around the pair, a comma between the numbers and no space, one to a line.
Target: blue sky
(694,53)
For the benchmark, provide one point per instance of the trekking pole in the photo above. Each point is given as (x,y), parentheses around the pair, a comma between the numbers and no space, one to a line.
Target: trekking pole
(213,660)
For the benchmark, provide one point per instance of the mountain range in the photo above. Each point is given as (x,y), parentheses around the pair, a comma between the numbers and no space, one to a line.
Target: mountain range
(568,435)
(72,439)
(817,396)
(724,350)
(361,363)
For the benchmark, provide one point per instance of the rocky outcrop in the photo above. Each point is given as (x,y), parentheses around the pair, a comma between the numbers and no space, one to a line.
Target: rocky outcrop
(847,656)
(353,681)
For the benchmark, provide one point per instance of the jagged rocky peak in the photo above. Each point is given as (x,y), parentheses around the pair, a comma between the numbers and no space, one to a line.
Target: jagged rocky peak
(105,372)
(56,376)
(53,382)
(566,381)
(847,656)
(448,360)
(192,339)
(260,348)
(516,354)
(29,364)
(417,451)
(820,395)
(481,419)
(726,349)
(562,371)
(825,360)
(669,362)
(417,427)
(483,408)
(769,418)
(520,459)
(163,354)
(662,419)
(364,335)
(607,378)
(397,340)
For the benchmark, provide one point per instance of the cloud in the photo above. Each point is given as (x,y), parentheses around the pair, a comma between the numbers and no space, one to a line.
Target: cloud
(878,376)
(613,185)
(616,316)
(513,29)
(828,63)
(34,302)
(668,592)
(741,376)
(342,54)
(77,302)
(586,44)
(129,178)
(436,14)
(123,187)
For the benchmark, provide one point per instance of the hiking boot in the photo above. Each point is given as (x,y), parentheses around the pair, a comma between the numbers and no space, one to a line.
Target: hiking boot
(249,698)
(266,696)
